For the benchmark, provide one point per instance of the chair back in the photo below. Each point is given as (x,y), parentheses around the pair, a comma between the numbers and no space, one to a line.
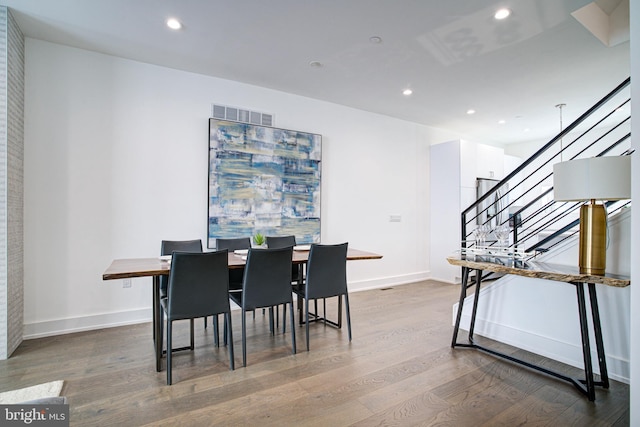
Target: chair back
(233,244)
(168,246)
(327,271)
(277,242)
(267,278)
(198,285)
(236,274)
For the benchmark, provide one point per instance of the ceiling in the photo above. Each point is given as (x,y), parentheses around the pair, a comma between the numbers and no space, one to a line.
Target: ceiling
(452,54)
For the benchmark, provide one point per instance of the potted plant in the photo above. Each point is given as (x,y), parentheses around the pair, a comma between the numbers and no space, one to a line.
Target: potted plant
(259,240)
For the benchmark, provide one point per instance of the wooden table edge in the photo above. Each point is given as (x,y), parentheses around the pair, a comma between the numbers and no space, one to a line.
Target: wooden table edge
(540,274)
(352,255)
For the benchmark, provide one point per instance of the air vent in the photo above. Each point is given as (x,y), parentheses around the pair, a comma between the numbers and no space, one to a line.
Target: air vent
(225,112)
(231,113)
(267,119)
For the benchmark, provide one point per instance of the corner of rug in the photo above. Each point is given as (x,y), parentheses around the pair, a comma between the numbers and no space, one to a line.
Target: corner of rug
(39,391)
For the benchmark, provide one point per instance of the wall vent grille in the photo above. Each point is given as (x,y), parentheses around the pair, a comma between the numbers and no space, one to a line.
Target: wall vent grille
(225,112)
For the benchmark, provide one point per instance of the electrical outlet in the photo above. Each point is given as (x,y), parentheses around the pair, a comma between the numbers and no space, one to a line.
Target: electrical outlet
(395,218)
(126,283)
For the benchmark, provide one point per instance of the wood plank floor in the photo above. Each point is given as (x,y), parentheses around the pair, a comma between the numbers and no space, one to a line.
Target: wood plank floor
(398,370)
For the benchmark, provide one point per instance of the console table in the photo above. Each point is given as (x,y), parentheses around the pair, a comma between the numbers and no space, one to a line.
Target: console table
(546,271)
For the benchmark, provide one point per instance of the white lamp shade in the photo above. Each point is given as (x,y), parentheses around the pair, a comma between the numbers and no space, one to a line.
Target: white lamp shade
(595,178)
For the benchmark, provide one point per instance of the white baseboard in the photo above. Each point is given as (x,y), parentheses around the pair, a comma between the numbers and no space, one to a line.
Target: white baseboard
(618,368)
(385,282)
(455,281)
(123,318)
(86,323)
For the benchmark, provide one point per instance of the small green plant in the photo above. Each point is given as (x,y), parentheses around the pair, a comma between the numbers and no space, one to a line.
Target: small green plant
(258,239)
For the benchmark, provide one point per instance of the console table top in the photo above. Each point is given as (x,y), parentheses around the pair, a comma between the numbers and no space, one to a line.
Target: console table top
(536,270)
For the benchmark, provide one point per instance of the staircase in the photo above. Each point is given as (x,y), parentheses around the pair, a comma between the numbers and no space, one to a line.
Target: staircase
(524,198)
(536,315)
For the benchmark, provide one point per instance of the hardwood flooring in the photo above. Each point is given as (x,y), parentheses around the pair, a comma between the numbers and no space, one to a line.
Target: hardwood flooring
(398,370)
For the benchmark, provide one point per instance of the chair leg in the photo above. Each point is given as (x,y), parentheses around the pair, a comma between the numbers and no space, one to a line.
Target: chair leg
(284,317)
(192,337)
(324,310)
(292,315)
(340,311)
(226,336)
(169,324)
(244,339)
(346,304)
(216,336)
(228,331)
(300,300)
(271,322)
(205,322)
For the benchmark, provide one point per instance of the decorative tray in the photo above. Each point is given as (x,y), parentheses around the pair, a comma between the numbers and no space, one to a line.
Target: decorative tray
(496,252)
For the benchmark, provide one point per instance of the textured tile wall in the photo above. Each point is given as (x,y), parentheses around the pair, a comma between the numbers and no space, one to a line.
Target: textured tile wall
(11,184)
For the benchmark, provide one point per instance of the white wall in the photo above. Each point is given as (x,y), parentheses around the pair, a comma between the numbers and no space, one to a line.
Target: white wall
(454,169)
(635,221)
(116,160)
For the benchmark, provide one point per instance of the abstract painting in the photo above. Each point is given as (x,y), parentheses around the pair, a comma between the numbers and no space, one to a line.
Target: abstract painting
(263,180)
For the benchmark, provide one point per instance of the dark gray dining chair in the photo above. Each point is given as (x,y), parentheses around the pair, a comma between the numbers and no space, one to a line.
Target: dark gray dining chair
(198,287)
(267,283)
(297,272)
(326,278)
(233,244)
(235,275)
(276,242)
(167,247)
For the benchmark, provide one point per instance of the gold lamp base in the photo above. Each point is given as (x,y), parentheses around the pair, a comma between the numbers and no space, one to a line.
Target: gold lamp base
(593,239)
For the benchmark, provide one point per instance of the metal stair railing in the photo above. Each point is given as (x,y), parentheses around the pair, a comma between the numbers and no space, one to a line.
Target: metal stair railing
(524,198)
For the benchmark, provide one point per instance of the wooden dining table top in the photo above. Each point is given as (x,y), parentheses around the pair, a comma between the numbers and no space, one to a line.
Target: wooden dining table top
(143,267)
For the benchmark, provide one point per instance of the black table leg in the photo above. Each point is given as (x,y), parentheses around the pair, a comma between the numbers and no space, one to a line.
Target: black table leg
(595,315)
(463,295)
(586,349)
(475,304)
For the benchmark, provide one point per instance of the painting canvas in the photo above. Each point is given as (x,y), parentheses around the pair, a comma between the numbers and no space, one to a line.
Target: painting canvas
(263,180)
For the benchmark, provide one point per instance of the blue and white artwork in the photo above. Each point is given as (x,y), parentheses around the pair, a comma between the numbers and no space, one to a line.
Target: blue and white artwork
(263,180)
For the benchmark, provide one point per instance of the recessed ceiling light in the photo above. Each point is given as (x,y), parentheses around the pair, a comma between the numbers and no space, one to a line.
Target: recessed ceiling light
(375,39)
(174,24)
(501,122)
(471,111)
(407,92)
(502,13)
(315,64)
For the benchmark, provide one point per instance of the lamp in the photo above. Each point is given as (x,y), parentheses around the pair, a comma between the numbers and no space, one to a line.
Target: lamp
(596,178)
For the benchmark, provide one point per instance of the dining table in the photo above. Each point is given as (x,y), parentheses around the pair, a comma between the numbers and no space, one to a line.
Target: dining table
(157,267)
